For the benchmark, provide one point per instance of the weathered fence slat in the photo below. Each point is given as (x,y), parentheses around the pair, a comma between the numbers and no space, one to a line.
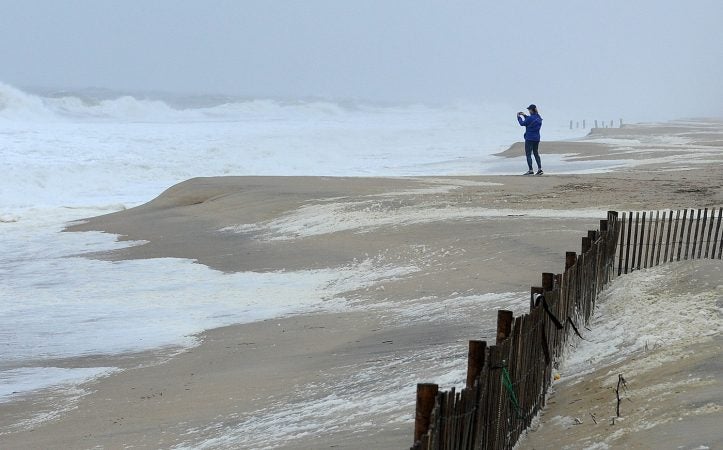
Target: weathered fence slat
(667,239)
(675,232)
(715,237)
(690,228)
(642,233)
(710,232)
(649,262)
(682,234)
(475,361)
(702,234)
(695,236)
(504,325)
(622,246)
(647,242)
(660,245)
(426,395)
(627,244)
(635,238)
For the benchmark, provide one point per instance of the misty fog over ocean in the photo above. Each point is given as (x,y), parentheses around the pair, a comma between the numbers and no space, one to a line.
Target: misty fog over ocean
(642,60)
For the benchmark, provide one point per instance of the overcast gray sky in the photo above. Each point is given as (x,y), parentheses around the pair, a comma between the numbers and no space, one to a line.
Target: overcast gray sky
(630,58)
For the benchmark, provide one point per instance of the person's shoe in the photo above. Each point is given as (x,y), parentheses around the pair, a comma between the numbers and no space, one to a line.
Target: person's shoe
(539,172)
(529,172)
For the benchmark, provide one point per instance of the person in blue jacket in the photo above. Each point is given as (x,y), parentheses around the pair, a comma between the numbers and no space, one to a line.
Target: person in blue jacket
(532,124)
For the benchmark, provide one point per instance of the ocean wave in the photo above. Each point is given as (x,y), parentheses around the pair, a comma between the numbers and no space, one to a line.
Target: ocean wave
(18,105)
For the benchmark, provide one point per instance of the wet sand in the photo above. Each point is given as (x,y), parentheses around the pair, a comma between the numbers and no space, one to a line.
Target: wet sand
(345,379)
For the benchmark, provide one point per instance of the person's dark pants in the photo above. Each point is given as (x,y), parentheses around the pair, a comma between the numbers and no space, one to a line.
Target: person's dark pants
(530,149)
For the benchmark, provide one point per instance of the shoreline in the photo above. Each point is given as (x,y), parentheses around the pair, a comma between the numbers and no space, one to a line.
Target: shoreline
(465,255)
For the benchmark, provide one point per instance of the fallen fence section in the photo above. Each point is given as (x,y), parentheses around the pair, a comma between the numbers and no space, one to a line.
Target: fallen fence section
(507,382)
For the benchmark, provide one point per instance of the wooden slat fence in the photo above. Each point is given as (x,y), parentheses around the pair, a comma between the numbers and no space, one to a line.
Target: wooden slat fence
(651,238)
(507,382)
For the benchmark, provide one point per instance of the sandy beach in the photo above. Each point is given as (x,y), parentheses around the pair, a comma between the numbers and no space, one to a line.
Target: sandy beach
(426,261)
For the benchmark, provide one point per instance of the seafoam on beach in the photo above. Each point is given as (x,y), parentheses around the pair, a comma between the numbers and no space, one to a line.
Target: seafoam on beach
(655,339)
(376,394)
(647,309)
(81,300)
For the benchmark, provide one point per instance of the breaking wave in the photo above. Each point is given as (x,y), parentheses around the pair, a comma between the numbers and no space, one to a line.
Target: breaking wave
(18,105)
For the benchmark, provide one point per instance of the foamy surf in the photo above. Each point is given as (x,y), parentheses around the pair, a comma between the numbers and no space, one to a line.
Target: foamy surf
(377,394)
(646,310)
(62,305)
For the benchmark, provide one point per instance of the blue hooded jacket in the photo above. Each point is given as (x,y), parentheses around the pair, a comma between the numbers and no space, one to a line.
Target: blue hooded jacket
(533,123)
